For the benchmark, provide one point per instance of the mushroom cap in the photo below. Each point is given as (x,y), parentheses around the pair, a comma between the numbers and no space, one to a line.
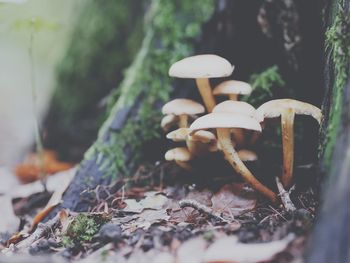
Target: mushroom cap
(201,66)
(247,156)
(181,154)
(178,135)
(232,87)
(203,136)
(238,107)
(183,106)
(225,120)
(274,108)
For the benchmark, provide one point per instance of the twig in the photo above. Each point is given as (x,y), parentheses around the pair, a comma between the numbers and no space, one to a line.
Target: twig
(41,230)
(285,196)
(201,208)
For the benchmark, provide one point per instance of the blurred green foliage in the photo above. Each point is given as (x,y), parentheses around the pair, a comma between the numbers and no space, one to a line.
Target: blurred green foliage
(104,41)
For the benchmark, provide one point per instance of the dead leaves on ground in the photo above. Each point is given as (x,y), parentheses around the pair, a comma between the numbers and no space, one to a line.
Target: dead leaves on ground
(35,165)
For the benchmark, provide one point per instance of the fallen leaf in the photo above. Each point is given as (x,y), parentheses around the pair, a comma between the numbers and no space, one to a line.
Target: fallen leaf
(229,250)
(232,200)
(152,200)
(34,165)
(53,183)
(55,199)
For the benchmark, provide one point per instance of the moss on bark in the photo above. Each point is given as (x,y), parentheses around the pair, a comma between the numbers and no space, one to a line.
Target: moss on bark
(171,30)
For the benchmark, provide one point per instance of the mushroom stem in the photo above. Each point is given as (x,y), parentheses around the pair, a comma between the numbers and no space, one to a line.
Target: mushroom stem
(233,97)
(183,121)
(198,148)
(206,93)
(186,166)
(287,123)
(232,157)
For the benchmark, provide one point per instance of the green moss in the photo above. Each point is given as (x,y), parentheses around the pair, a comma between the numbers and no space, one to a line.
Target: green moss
(338,48)
(82,229)
(171,30)
(264,85)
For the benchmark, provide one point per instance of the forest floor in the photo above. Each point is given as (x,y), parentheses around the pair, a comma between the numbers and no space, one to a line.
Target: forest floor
(159,215)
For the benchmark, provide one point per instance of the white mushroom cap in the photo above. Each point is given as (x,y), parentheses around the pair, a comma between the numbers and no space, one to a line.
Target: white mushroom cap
(203,136)
(178,135)
(232,87)
(201,66)
(183,107)
(274,108)
(239,107)
(225,120)
(181,154)
(247,156)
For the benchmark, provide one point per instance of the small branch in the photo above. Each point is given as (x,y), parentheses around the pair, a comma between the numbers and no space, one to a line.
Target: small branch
(201,208)
(41,230)
(285,196)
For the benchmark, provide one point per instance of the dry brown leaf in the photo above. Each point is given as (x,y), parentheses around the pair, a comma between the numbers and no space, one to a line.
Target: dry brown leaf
(229,250)
(152,200)
(55,199)
(31,169)
(231,200)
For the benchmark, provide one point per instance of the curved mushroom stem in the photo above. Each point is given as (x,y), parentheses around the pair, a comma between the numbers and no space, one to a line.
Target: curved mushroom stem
(206,93)
(233,97)
(287,122)
(232,157)
(184,165)
(183,121)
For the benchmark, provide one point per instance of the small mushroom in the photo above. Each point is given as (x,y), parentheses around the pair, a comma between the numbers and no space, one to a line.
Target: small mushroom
(223,122)
(238,107)
(200,143)
(232,88)
(247,156)
(179,135)
(182,108)
(202,68)
(287,108)
(181,156)
(168,121)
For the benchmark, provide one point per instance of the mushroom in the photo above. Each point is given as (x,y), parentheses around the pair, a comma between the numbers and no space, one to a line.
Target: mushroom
(168,121)
(232,88)
(223,122)
(247,156)
(200,143)
(238,107)
(181,156)
(182,108)
(201,68)
(287,108)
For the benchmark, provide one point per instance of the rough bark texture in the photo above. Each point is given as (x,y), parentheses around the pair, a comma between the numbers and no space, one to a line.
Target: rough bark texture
(331,240)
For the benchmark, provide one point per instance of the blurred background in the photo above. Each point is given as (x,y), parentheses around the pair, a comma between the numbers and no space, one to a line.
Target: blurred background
(51,30)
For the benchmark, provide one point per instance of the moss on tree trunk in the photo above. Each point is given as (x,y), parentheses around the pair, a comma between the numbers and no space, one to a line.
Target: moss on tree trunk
(330,241)
(171,30)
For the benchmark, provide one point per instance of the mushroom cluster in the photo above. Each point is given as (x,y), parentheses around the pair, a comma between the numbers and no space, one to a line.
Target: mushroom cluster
(227,126)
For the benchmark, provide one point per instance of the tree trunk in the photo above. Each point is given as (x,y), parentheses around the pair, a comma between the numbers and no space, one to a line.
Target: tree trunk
(330,241)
